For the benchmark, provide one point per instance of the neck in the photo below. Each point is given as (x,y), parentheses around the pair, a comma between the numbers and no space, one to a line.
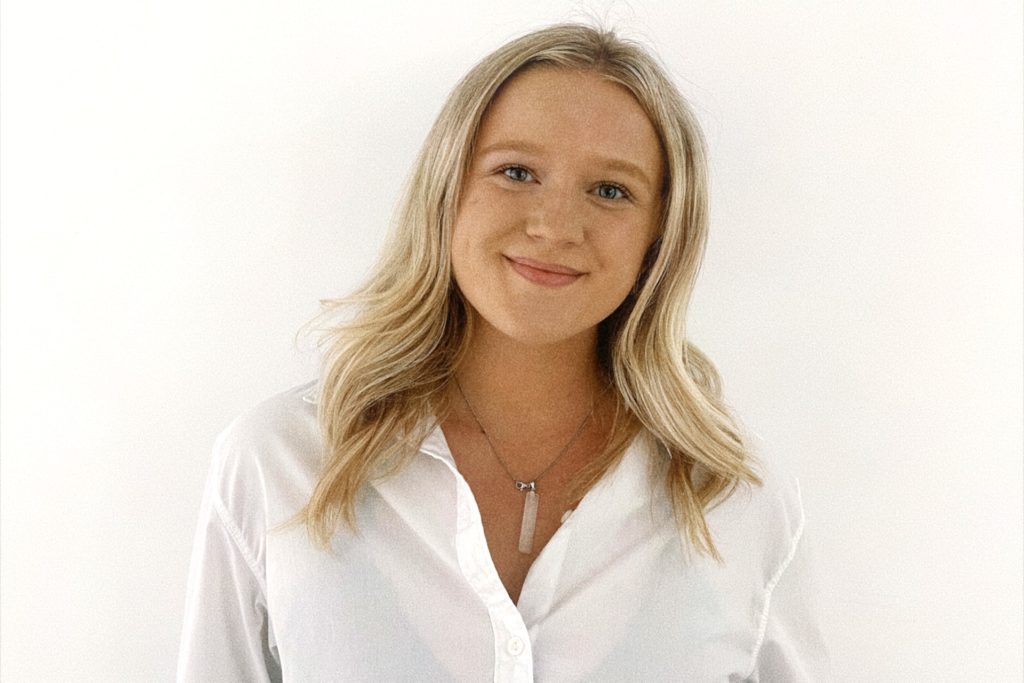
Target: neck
(536,388)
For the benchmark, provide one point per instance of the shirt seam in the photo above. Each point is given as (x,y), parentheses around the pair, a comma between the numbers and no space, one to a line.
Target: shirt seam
(236,536)
(763,621)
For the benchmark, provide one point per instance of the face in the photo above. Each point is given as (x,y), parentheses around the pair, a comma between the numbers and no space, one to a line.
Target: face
(559,205)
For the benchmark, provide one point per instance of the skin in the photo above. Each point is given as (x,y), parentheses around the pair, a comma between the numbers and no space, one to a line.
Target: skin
(559,205)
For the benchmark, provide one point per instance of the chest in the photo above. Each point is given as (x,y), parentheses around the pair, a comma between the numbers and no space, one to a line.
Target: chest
(504,512)
(612,599)
(503,505)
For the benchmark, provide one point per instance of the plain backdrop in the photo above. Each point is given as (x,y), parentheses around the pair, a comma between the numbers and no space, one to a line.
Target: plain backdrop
(182,182)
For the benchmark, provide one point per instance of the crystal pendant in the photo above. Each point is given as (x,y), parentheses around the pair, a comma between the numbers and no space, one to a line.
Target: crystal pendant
(529,523)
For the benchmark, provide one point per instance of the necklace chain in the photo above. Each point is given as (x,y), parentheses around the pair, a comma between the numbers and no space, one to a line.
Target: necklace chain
(528,484)
(531,499)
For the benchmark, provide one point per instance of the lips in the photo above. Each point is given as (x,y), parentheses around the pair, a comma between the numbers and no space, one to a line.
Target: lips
(546,274)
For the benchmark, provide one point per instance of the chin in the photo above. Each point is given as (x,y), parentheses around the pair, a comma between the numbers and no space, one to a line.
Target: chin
(536,333)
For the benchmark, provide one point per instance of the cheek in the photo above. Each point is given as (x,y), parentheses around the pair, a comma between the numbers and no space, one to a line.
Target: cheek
(468,248)
(627,279)
(480,227)
(459,254)
(467,227)
(630,251)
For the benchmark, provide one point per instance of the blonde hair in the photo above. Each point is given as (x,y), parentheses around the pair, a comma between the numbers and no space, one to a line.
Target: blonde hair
(388,366)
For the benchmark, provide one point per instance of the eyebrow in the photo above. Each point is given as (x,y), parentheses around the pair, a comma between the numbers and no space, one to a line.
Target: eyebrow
(511,146)
(628,168)
(613,164)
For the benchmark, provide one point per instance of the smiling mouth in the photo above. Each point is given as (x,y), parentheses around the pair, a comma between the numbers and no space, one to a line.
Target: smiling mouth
(545,274)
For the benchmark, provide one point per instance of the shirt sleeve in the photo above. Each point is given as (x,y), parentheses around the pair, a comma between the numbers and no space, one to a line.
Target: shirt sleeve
(792,648)
(226,634)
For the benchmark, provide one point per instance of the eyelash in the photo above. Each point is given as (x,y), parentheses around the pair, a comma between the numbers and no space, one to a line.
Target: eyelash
(509,167)
(505,169)
(620,188)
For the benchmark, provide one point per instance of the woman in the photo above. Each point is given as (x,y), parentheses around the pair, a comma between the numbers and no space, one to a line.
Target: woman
(516,466)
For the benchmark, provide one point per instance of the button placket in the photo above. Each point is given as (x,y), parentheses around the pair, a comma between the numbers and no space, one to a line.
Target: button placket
(513,661)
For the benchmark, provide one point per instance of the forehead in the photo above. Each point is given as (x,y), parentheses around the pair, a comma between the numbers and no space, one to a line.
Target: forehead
(571,110)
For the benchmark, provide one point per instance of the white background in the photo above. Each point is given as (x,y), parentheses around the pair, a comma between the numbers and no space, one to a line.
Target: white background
(181,183)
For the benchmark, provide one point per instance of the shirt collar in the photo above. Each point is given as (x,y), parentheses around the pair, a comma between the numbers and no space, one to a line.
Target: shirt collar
(435,443)
(437,446)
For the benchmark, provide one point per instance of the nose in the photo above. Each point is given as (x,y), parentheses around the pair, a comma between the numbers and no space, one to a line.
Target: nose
(557,217)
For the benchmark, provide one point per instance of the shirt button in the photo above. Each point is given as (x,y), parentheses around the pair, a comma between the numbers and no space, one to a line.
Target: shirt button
(515,646)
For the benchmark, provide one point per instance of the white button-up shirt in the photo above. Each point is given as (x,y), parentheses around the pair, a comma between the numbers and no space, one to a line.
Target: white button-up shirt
(413,595)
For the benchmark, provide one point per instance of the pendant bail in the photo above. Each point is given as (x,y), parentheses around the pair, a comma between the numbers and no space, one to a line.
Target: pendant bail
(526,485)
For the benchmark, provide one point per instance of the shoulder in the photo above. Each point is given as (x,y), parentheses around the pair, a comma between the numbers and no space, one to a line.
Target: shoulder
(279,420)
(761,524)
(265,457)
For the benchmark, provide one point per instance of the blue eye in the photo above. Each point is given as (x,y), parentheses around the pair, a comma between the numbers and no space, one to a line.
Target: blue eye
(609,191)
(517,173)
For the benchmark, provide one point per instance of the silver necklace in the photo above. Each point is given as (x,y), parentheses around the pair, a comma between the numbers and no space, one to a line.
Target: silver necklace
(532,500)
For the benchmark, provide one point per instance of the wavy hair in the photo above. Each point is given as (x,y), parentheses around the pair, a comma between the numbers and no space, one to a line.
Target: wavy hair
(394,345)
